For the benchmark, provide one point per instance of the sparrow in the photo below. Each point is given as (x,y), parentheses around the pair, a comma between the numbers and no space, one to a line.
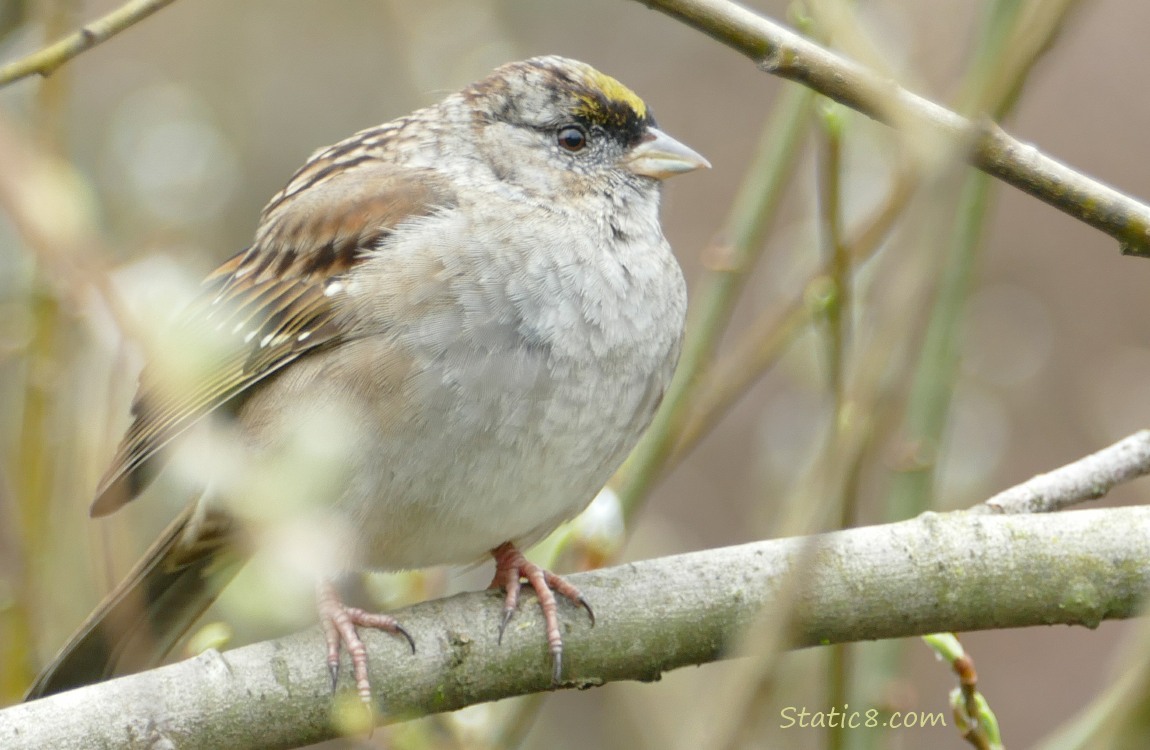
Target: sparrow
(473,306)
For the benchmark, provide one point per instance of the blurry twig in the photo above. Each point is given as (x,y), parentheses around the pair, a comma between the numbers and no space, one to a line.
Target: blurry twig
(837,306)
(784,53)
(1088,478)
(730,258)
(1009,44)
(46,60)
(764,340)
(50,205)
(993,84)
(928,406)
(837,301)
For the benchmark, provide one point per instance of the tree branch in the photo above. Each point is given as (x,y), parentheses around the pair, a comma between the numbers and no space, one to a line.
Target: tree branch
(1088,478)
(46,61)
(784,53)
(952,572)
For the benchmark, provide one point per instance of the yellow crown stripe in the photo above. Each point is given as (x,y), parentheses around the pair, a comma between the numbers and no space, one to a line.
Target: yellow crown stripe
(612,90)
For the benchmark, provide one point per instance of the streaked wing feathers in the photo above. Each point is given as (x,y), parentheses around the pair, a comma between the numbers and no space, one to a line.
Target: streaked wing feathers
(268,306)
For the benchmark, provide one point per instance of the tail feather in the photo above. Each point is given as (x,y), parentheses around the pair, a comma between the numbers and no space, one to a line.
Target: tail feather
(146,615)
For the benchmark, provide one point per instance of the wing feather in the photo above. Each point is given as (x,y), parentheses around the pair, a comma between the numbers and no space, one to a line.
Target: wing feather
(270,304)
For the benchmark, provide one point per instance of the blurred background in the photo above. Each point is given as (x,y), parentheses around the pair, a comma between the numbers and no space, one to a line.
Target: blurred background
(136,168)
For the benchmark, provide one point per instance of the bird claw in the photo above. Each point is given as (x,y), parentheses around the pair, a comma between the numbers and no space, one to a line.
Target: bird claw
(508,612)
(511,567)
(582,602)
(340,624)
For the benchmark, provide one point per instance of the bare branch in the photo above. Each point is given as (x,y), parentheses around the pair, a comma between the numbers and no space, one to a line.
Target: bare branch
(46,61)
(784,53)
(935,573)
(1088,478)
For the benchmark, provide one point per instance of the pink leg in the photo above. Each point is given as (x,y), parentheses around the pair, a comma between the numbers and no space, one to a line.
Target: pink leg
(339,624)
(510,568)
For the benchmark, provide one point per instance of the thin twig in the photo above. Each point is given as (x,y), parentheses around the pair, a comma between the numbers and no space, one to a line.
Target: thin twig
(837,330)
(972,714)
(782,52)
(837,309)
(45,61)
(1088,478)
(762,342)
(730,258)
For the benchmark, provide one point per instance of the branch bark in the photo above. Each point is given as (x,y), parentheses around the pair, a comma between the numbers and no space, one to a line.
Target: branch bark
(1088,478)
(782,52)
(952,572)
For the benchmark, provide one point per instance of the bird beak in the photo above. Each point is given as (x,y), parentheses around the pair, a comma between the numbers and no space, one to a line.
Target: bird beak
(660,156)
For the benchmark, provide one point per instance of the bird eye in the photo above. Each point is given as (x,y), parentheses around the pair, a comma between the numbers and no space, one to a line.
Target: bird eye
(572,137)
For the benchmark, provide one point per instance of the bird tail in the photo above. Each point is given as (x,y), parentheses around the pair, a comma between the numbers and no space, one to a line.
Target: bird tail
(145,616)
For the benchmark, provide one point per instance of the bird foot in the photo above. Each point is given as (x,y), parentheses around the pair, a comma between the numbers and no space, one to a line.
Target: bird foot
(511,567)
(339,624)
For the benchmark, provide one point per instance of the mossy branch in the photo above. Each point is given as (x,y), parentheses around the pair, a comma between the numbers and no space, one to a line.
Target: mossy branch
(952,572)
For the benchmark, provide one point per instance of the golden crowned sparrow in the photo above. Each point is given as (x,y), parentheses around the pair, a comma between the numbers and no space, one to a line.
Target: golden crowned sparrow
(481,293)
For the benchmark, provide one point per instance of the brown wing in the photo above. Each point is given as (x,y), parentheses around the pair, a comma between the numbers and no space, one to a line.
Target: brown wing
(269,305)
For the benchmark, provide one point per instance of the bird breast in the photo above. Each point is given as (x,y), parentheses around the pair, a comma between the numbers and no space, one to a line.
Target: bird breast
(487,393)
